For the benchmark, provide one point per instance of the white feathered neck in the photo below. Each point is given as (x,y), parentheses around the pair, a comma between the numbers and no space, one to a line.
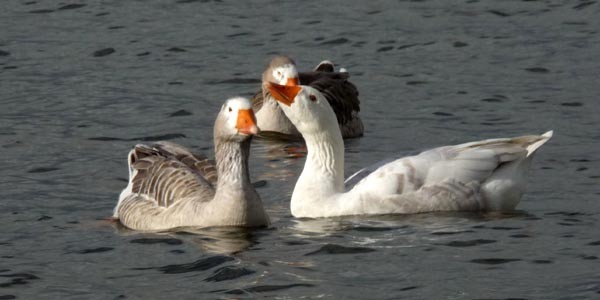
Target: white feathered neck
(323,173)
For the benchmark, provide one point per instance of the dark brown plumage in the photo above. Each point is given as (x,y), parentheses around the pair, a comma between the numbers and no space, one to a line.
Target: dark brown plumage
(340,93)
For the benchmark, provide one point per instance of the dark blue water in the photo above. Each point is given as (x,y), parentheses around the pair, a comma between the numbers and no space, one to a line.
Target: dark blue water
(81,82)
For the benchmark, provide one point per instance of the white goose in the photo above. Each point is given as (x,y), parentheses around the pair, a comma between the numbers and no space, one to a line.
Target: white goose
(170,187)
(482,175)
(341,94)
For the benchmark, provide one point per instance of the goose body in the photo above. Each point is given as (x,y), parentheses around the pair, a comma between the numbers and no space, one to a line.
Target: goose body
(171,187)
(482,175)
(341,94)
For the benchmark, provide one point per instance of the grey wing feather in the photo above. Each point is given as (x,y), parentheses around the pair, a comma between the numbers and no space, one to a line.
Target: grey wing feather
(257,101)
(197,162)
(163,178)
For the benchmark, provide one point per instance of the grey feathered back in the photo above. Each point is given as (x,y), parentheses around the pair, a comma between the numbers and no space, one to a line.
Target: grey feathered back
(161,174)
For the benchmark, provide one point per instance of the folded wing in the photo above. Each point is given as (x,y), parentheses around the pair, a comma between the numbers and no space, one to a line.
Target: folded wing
(162,175)
(496,166)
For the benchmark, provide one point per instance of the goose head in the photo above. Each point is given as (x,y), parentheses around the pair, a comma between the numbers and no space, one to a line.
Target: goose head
(236,120)
(306,107)
(281,70)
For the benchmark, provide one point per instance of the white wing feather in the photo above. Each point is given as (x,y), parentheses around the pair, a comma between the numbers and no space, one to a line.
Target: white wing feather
(498,165)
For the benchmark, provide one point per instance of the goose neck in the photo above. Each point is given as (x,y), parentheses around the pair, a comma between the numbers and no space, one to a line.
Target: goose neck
(325,160)
(232,163)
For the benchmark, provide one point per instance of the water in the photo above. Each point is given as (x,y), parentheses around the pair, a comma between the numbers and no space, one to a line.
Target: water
(81,82)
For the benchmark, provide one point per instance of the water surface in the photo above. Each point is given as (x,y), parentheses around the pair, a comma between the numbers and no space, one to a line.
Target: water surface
(82,82)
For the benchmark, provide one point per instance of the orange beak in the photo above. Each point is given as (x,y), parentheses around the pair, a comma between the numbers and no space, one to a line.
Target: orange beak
(284,93)
(246,122)
(292,82)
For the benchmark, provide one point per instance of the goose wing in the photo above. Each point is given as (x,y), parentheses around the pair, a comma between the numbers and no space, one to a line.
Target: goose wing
(465,163)
(257,100)
(197,162)
(167,173)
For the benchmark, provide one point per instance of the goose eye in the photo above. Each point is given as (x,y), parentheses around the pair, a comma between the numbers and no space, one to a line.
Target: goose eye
(278,73)
(312,98)
(230,109)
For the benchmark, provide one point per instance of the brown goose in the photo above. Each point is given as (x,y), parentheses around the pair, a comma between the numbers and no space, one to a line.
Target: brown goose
(170,187)
(341,94)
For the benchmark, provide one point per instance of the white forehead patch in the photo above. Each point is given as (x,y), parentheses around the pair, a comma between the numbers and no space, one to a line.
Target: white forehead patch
(231,108)
(237,103)
(282,73)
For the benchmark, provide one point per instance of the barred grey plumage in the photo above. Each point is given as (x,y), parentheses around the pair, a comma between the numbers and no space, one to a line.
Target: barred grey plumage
(169,186)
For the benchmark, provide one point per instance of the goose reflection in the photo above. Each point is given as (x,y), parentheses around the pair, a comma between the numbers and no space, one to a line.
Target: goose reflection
(280,158)
(221,240)
(214,240)
(407,224)
(319,227)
